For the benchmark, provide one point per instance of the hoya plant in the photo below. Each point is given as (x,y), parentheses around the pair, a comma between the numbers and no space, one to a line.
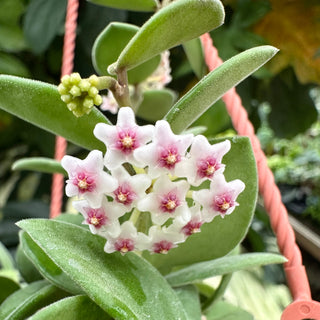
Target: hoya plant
(160,206)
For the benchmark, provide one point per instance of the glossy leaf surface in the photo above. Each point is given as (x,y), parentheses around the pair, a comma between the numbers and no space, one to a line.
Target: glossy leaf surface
(39,103)
(155,104)
(120,285)
(24,302)
(224,265)
(136,5)
(171,26)
(71,308)
(210,88)
(108,46)
(220,236)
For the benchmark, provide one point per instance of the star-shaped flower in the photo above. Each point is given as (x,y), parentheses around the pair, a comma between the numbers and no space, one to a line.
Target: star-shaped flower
(121,140)
(165,150)
(204,160)
(167,200)
(87,178)
(220,199)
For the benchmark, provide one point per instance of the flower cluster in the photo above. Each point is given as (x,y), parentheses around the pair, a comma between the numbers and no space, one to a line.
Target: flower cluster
(159,189)
(80,95)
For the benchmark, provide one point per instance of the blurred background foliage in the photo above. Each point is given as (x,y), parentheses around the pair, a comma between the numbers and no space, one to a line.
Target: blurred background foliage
(282,98)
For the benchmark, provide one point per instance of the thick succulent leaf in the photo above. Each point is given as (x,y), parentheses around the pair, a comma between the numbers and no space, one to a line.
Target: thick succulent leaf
(220,236)
(189,297)
(46,266)
(39,103)
(126,287)
(71,308)
(8,286)
(211,88)
(108,46)
(24,302)
(174,24)
(45,165)
(225,311)
(224,265)
(194,51)
(155,104)
(6,261)
(136,5)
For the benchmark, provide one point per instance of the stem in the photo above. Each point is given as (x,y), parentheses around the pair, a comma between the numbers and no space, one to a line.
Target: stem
(122,92)
(107,82)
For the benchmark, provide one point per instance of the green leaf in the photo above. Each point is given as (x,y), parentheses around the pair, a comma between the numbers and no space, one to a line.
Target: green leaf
(46,266)
(174,24)
(8,286)
(228,232)
(195,55)
(189,297)
(24,302)
(136,5)
(11,38)
(155,104)
(26,268)
(224,265)
(42,22)
(110,43)
(6,260)
(12,65)
(39,164)
(225,311)
(78,307)
(126,287)
(39,103)
(212,87)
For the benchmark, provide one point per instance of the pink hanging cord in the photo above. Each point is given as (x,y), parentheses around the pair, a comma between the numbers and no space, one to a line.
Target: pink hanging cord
(67,67)
(303,306)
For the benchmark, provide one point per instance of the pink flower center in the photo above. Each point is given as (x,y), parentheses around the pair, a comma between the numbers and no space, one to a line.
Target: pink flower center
(125,195)
(169,202)
(207,167)
(162,247)
(127,141)
(96,217)
(169,157)
(191,227)
(222,203)
(124,245)
(84,182)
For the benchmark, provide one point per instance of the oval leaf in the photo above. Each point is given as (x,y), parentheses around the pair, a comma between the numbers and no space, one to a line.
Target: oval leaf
(110,43)
(224,265)
(174,24)
(8,286)
(120,285)
(39,103)
(155,104)
(228,232)
(46,266)
(211,88)
(38,164)
(26,301)
(78,307)
(136,5)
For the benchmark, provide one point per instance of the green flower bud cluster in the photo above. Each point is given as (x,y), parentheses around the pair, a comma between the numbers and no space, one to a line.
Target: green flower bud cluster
(80,95)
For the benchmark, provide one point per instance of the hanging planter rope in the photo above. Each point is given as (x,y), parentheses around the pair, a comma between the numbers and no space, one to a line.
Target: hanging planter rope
(303,306)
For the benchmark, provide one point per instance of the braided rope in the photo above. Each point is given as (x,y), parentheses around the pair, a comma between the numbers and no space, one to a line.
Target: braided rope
(295,271)
(67,67)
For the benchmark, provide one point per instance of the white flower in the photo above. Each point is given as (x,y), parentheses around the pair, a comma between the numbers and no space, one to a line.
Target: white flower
(127,239)
(109,103)
(204,160)
(220,199)
(87,178)
(121,140)
(165,151)
(167,200)
(131,188)
(100,220)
